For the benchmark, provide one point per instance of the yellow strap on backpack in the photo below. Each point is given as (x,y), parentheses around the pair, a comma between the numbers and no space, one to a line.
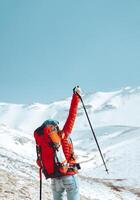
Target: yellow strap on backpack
(55,138)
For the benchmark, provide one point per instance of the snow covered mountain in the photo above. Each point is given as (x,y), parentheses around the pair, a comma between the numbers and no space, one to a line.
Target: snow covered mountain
(116,121)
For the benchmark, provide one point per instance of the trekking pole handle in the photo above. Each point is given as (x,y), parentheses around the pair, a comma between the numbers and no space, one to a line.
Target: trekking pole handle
(93,133)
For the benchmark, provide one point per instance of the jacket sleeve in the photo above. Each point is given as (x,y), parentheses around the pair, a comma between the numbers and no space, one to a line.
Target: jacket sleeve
(71,116)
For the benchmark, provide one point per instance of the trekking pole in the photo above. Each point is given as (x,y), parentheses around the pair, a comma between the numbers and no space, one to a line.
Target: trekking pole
(93,133)
(40,175)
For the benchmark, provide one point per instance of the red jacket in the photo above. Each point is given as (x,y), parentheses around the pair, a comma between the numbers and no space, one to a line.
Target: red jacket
(67,129)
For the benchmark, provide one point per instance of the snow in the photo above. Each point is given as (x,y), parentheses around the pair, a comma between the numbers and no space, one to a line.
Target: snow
(115,119)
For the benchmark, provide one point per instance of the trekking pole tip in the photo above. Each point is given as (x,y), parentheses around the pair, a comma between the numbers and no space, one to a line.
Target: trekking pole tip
(107,171)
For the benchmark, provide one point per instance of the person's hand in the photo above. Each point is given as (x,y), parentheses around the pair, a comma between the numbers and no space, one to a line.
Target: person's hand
(77,90)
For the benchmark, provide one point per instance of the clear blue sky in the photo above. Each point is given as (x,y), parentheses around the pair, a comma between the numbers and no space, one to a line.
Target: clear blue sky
(47,47)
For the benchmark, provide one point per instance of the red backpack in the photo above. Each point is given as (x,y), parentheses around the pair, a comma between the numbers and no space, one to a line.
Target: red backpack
(50,156)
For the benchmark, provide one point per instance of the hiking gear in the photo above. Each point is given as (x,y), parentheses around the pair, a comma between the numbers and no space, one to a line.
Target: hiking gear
(53,142)
(77,90)
(50,156)
(60,157)
(93,133)
(68,183)
(40,175)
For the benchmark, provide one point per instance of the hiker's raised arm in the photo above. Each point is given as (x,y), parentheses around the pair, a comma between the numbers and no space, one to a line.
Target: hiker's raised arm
(72,112)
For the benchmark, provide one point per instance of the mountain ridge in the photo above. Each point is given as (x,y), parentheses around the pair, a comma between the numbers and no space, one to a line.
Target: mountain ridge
(115,119)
